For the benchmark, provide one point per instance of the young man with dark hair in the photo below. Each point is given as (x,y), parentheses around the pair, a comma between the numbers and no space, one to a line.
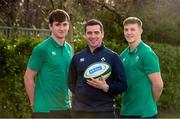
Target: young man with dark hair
(142,69)
(47,70)
(95,98)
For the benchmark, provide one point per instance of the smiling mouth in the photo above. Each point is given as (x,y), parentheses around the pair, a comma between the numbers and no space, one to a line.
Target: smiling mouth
(93,41)
(61,32)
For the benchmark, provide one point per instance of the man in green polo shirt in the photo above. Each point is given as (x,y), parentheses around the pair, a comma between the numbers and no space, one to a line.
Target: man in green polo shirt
(142,69)
(46,74)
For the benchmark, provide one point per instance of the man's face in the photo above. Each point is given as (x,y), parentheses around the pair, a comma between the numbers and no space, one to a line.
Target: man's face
(59,29)
(132,33)
(94,36)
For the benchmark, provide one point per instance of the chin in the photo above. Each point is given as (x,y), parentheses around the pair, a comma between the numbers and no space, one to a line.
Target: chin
(61,37)
(130,40)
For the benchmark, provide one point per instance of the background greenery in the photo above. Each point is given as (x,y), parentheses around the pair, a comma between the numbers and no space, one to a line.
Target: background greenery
(15,53)
(161,21)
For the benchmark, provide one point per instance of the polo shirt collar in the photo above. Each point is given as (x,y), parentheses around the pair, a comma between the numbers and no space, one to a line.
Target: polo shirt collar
(56,44)
(97,49)
(137,48)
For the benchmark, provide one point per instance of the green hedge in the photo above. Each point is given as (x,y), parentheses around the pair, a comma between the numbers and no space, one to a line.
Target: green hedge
(13,58)
(14,54)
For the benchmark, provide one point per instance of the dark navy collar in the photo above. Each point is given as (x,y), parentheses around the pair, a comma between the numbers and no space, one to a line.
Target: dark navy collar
(97,49)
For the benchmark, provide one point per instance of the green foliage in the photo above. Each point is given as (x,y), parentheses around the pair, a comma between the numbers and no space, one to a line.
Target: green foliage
(112,25)
(169,58)
(13,59)
(161,20)
(14,54)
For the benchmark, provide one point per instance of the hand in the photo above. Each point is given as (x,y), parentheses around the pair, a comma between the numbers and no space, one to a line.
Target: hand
(32,107)
(99,84)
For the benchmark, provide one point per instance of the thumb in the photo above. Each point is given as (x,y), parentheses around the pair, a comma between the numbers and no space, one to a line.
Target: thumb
(102,78)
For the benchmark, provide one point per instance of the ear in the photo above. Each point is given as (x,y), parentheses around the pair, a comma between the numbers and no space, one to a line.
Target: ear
(141,30)
(103,34)
(50,26)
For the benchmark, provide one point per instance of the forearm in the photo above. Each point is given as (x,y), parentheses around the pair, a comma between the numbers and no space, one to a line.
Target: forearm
(157,91)
(119,84)
(72,82)
(157,84)
(72,77)
(118,88)
(29,85)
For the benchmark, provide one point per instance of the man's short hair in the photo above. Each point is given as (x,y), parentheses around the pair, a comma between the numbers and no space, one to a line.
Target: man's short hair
(58,15)
(132,20)
(93,22)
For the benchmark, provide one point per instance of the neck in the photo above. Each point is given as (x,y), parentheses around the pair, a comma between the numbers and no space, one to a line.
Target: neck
(59,40)
(134,45)
(92,49)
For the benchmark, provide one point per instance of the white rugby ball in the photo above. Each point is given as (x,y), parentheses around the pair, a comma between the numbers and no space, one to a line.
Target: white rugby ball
(97,70)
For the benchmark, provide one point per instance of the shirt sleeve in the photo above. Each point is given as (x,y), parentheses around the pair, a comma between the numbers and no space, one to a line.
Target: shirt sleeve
(150,62)
(72,76)
(119,84)
(36,59)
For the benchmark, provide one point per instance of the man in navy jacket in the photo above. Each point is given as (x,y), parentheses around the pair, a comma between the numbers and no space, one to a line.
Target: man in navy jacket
(95,98)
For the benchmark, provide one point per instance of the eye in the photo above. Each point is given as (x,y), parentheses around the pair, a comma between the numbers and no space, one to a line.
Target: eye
(65,24)
(57,24)
(133,29)
(89,33)
(125,30)
(97,32)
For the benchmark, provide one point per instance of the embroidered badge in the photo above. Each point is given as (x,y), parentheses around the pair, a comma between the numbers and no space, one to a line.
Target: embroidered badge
(137,58)
(103,59)
(53,53)
(81,59)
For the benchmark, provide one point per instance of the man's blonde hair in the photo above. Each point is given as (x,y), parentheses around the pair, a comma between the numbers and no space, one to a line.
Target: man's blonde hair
(132,20)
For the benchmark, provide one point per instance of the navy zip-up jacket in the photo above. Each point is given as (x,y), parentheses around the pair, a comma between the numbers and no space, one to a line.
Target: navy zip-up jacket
(86,97)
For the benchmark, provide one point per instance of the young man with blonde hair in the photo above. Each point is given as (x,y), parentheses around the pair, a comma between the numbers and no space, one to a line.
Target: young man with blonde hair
(142,69)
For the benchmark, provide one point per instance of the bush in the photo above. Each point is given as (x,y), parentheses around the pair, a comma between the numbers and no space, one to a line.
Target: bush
(14,54)
(13,58)
(169,57)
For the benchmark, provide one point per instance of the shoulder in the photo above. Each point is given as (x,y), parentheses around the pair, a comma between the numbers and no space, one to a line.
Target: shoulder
(147,55)
(43,44)
(79,54)
(146,51)
(41,48)
(68,45)
(124,52)
(111,53)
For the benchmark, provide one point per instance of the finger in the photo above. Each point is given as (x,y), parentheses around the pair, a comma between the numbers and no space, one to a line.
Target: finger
(92,81)
(102,79)
(92,84)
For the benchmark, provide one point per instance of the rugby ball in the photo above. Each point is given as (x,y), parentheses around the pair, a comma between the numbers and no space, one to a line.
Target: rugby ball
(97,70)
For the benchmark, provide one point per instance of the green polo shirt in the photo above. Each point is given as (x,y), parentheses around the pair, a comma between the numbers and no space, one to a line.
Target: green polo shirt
(51,61)
(138,99)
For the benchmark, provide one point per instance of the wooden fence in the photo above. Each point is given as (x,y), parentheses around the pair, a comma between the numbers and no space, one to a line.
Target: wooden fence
(12,31)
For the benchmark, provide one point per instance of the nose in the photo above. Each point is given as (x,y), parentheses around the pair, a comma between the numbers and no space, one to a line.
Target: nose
(93,35)
(60,27)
